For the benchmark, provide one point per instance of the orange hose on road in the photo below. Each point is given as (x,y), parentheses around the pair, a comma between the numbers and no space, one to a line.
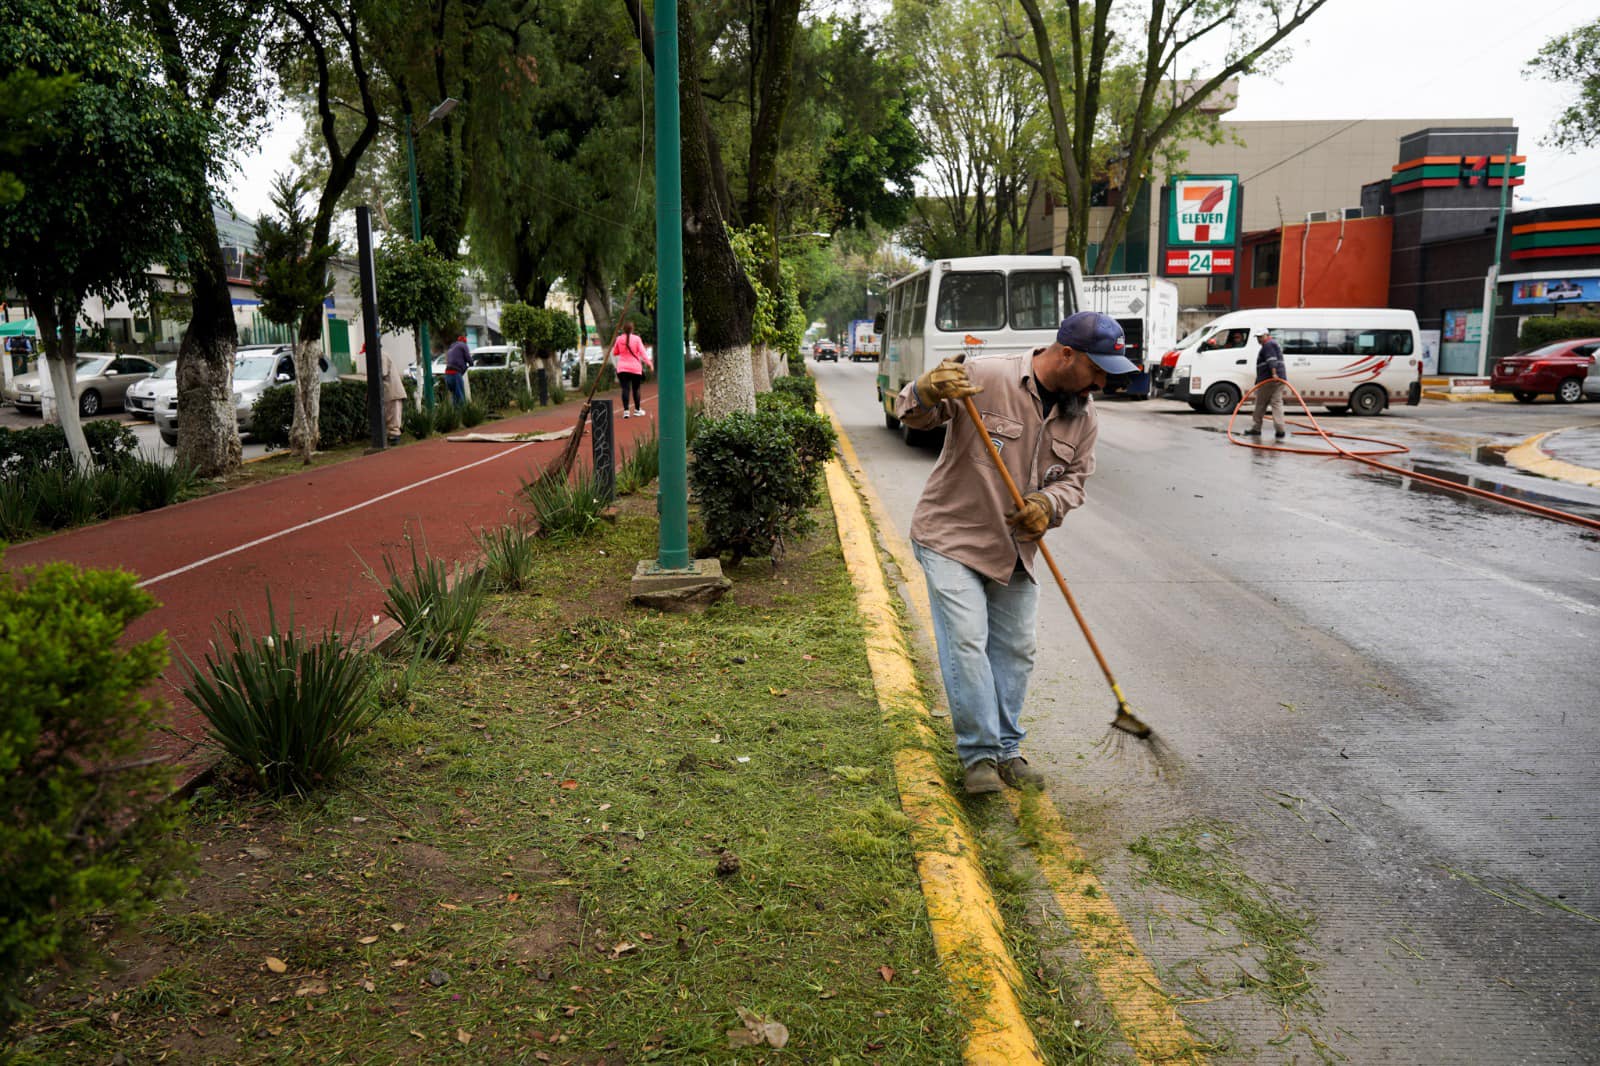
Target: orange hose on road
(1336,450)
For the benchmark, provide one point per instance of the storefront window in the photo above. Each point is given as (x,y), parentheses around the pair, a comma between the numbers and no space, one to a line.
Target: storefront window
(1459,338)
(1264,265)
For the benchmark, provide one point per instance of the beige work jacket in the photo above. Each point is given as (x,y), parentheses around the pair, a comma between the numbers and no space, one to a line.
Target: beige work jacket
(962,510)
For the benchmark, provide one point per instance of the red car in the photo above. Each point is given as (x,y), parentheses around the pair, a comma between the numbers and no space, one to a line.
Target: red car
(1557,368)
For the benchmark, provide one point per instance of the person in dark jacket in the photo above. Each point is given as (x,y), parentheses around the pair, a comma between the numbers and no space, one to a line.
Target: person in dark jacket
(1270,380)
(456,361)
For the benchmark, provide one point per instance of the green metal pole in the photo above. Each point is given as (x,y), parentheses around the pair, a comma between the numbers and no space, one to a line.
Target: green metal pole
(1494,289)
(673,494)
(425,371)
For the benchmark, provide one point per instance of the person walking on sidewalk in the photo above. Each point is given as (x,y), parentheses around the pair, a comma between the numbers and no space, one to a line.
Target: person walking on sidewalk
(456,361)
(1270,380)
(977,549)
(632,360)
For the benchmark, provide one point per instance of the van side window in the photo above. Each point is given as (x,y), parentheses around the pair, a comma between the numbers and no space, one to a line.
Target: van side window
(1344,341)
(972,300)
(1039,299)
(919,307)
(1233,338)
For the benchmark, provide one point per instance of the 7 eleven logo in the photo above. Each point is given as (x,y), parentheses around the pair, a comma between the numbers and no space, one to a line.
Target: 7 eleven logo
(1203,208)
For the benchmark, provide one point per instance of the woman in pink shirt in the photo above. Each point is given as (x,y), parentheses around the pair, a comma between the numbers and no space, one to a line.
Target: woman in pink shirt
(632,361)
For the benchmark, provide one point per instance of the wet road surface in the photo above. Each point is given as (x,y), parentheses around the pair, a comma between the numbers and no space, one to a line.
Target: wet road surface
(1378,699)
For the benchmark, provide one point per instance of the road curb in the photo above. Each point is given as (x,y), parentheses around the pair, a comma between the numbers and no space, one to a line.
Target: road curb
(1531,456)
(963,917)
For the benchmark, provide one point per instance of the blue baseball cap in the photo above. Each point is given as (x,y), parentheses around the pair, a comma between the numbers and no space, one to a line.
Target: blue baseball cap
(1100,338)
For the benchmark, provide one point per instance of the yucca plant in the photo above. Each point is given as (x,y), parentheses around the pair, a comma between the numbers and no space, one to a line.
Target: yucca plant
(67,495)
(473,413)
(19,508)
(288,707)
(146,484)
(642,465)
(565,509)
(508,555)
(437,606)
(446,417)
(418,422)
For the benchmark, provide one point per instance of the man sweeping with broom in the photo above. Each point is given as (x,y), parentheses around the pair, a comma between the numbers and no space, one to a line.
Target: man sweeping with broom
(977,546)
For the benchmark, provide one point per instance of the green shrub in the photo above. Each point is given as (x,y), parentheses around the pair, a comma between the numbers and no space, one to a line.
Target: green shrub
(446,417)
(19,509)
(417,422)
(341,415)
(147,484)
(565,509)
(286,706)
(85,832)
(437,606)
(799,389)
(508,555)
(642,464)
(756,478)
(473,413)
(66,495)
(526,399)
(495,390)
(36,446)
(1546,329)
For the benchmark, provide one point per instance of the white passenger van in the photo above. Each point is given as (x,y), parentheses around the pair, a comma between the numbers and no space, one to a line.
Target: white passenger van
(1358,359)
(1012,303)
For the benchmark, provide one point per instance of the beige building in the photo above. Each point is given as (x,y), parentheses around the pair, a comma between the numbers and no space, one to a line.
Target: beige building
(1288,170)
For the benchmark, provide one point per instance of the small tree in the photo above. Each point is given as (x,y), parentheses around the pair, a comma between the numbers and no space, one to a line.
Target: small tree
(86,833)
(416,284)
(522,326)
(543,333)
(292,276)
(104,195)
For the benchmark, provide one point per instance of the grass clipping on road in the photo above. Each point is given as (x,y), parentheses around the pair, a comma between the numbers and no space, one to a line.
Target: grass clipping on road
(605,835)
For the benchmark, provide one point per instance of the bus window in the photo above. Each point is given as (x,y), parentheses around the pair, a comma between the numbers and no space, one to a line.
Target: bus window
(919,306)
(1040,299)
(972,301)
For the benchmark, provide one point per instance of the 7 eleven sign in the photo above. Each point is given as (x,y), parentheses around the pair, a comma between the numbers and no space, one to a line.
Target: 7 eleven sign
(1203,211)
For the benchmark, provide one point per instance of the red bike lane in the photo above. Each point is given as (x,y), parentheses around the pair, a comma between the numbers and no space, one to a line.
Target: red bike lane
(309,539)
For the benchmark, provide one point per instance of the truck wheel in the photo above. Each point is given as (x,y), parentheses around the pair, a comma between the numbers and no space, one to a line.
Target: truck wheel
(1221,399)
(1368,400)
(889,420)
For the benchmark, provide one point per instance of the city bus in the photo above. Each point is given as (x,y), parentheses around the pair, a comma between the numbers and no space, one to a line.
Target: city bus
(1010,303)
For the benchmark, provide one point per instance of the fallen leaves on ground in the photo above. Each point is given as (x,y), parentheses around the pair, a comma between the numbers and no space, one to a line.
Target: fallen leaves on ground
(757,1031)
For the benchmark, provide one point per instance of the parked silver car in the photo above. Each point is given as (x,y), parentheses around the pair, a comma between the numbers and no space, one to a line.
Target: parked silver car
(257,369)
(143,399)
(103,380)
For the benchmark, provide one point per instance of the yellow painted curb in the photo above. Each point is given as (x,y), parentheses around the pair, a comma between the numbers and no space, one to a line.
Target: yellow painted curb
(962,914)
(1470,397)
(1146,1015)
(1530,456)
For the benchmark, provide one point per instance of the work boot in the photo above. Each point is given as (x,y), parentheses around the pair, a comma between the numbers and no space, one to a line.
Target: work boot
(1251,433)
(1281,434)
(982,778)
(1016,772)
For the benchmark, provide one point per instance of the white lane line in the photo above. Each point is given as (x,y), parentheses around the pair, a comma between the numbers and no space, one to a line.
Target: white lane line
(147,582)
(1575,606)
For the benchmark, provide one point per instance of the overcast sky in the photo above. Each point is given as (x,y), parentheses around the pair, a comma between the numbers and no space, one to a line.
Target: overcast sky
(1355,59)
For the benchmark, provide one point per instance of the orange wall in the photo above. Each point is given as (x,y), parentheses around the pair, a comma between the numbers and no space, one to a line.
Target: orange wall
(1348,272)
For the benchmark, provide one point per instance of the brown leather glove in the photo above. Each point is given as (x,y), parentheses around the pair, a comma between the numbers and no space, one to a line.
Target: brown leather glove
(947,381)
(1030,522)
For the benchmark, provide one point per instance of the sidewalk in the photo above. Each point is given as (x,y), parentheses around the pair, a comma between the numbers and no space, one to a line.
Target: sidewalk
(308,540)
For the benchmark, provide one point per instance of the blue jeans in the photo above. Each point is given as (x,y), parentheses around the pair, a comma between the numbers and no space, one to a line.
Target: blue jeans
(987,634)
(458,388)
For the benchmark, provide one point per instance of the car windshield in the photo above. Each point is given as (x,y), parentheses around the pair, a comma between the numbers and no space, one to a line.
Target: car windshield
(165,371)
(254,368)
(92,366)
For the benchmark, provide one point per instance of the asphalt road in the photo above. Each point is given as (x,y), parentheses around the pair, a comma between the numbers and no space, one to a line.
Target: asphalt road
(1382,692)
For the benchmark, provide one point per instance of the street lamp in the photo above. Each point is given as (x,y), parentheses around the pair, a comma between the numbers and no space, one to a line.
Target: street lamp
(446,106)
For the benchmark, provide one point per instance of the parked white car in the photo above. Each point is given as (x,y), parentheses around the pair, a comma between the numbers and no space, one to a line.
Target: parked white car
(257,369)
(143,399)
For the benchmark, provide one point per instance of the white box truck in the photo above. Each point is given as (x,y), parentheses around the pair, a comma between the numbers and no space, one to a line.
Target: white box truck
(1147,309)
(861,341)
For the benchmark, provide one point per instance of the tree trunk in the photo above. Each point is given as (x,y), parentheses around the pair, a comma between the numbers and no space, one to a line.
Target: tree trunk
(307,386)
(724,303)
(208,428)
(61,363)
(760,368)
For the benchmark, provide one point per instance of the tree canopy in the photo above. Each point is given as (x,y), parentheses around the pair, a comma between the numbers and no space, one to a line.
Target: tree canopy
(1573,57)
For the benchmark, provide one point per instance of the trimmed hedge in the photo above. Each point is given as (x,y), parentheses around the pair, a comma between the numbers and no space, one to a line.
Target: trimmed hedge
(1548,328)
(800,389)
(37,446)
(341,418)
(757,477)
(496,390)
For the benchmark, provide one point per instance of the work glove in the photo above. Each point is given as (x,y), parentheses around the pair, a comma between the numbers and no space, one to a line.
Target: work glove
(1029,522)
(947,381)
